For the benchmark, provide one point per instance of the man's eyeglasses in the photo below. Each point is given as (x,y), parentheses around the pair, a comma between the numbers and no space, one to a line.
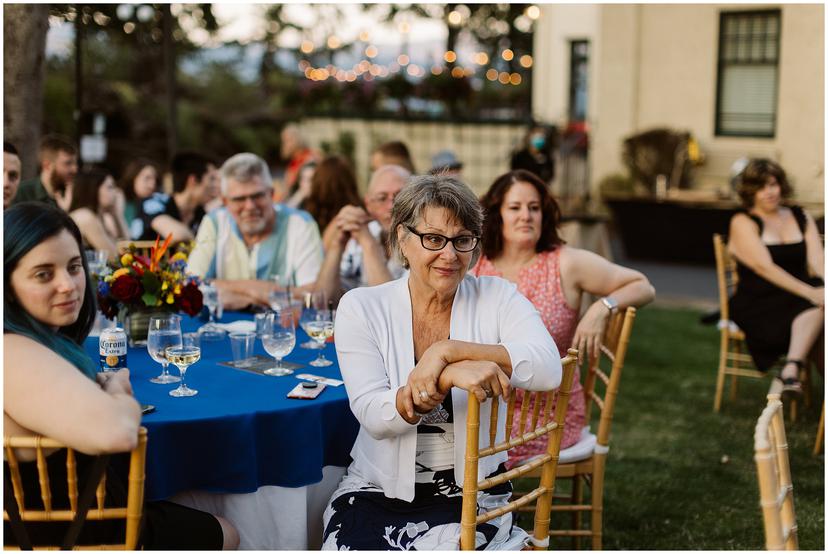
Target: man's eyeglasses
(256,197)
(434,241)
(382,198)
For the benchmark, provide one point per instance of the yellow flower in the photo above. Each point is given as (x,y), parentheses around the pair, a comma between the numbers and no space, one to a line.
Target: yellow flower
(126,259)
(118,272)
(170,298)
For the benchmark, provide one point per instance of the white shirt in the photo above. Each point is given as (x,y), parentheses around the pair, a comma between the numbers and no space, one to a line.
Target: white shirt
(352,267)
(293,249)
(375,347)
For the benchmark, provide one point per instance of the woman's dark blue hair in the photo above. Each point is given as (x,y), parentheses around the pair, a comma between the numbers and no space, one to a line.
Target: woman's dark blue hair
(26,225)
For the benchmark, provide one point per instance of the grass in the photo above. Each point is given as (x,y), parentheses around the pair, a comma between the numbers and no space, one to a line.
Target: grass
(668,486)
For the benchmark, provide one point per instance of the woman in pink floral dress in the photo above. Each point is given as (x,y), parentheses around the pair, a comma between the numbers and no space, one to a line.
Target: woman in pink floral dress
(521,243)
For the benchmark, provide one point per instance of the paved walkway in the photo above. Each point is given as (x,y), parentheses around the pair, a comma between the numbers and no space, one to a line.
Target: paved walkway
(676,284)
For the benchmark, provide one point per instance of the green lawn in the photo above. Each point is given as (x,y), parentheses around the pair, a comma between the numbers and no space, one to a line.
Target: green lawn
(667,487)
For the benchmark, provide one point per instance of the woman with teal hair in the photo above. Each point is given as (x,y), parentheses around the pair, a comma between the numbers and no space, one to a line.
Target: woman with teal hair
(51,386)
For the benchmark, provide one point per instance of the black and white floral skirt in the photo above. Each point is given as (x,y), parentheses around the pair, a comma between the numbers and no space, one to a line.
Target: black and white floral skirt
(361,517)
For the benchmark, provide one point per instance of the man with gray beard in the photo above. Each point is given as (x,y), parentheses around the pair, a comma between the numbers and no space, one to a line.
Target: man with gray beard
(244,244)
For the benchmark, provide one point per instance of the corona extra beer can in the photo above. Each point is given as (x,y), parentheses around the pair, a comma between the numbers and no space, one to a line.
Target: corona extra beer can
(113,349)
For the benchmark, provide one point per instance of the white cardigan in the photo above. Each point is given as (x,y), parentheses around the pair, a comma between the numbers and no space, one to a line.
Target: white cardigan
(375,347)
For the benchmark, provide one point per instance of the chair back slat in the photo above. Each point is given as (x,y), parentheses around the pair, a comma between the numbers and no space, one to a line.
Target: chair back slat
(727,276)
(493,421)
(72,479)
(43,477)
(100,493)
(510,413)
(774,475)
(547,407)
(131,513)
(524,411)
(548,462)
(14,471)
(536,406)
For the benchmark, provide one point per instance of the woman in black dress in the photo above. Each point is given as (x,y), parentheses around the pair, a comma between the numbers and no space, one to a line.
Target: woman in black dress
(780,300)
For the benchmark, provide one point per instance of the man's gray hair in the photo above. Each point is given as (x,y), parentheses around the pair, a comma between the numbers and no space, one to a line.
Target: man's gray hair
(244,168)
(397,170)
(434,191)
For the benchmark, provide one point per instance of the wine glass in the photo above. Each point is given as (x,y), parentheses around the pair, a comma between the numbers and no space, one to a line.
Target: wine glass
(210,295)
(320,329)
(164,331)
(183,357)
(278,339)
(278,300)
(96,260)
(313,302)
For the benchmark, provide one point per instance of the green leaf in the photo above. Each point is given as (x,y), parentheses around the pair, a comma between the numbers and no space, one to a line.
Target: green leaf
(151,282)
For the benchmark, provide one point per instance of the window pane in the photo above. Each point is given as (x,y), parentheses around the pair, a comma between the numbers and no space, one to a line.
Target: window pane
(770,50)
(748,99)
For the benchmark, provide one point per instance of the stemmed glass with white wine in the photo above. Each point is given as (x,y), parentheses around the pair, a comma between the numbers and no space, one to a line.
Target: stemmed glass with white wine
(278,339)
(183,357)
(164,331)
(313,301)
(320,329)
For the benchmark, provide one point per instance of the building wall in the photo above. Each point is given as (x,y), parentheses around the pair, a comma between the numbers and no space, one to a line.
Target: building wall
(484,149)
(655,65)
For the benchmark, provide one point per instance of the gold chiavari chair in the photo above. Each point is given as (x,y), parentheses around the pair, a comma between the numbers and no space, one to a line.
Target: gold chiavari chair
(17,511)
(585,461)
(540,424)
(774,473)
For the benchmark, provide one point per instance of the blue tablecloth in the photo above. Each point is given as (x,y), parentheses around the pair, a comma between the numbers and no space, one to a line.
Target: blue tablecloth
(239,432)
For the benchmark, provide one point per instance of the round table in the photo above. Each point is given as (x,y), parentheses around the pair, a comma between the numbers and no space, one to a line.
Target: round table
(239,435)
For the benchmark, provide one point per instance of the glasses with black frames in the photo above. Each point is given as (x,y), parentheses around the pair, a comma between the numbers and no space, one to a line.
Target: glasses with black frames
(434,241)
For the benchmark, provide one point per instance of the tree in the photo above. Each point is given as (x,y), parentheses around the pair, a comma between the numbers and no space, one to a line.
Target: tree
(24,44)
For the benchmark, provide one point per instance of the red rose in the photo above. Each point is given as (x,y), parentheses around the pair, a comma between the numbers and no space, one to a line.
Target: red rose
(127,289)
(190,300)
(107,307)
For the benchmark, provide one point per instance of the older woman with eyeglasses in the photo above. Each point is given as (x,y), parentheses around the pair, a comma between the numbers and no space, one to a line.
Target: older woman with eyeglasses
(409,350)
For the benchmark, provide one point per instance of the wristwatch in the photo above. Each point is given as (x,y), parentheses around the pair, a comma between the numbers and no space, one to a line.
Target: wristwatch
(610,303)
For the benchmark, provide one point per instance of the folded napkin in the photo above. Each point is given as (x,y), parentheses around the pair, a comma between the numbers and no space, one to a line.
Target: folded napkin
(240,326)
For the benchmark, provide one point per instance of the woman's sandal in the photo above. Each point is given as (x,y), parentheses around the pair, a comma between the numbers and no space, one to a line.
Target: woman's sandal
(792,386)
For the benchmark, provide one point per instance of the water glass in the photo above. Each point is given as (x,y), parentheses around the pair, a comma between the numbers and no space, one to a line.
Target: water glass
(279,339)
(260,320)
(242,346)
(191,339)
(164,331)
(96,260)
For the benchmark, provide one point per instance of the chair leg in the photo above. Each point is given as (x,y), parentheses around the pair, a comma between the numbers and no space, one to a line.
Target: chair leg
(734,381)
(597,500)
(805,378)
(577,496)
(720,377)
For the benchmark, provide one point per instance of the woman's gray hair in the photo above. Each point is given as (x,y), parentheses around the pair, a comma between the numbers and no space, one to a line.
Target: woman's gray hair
(243,168)
(434,191)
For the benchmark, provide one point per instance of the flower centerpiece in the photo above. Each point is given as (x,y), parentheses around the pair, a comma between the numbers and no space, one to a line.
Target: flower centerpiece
(140,286)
